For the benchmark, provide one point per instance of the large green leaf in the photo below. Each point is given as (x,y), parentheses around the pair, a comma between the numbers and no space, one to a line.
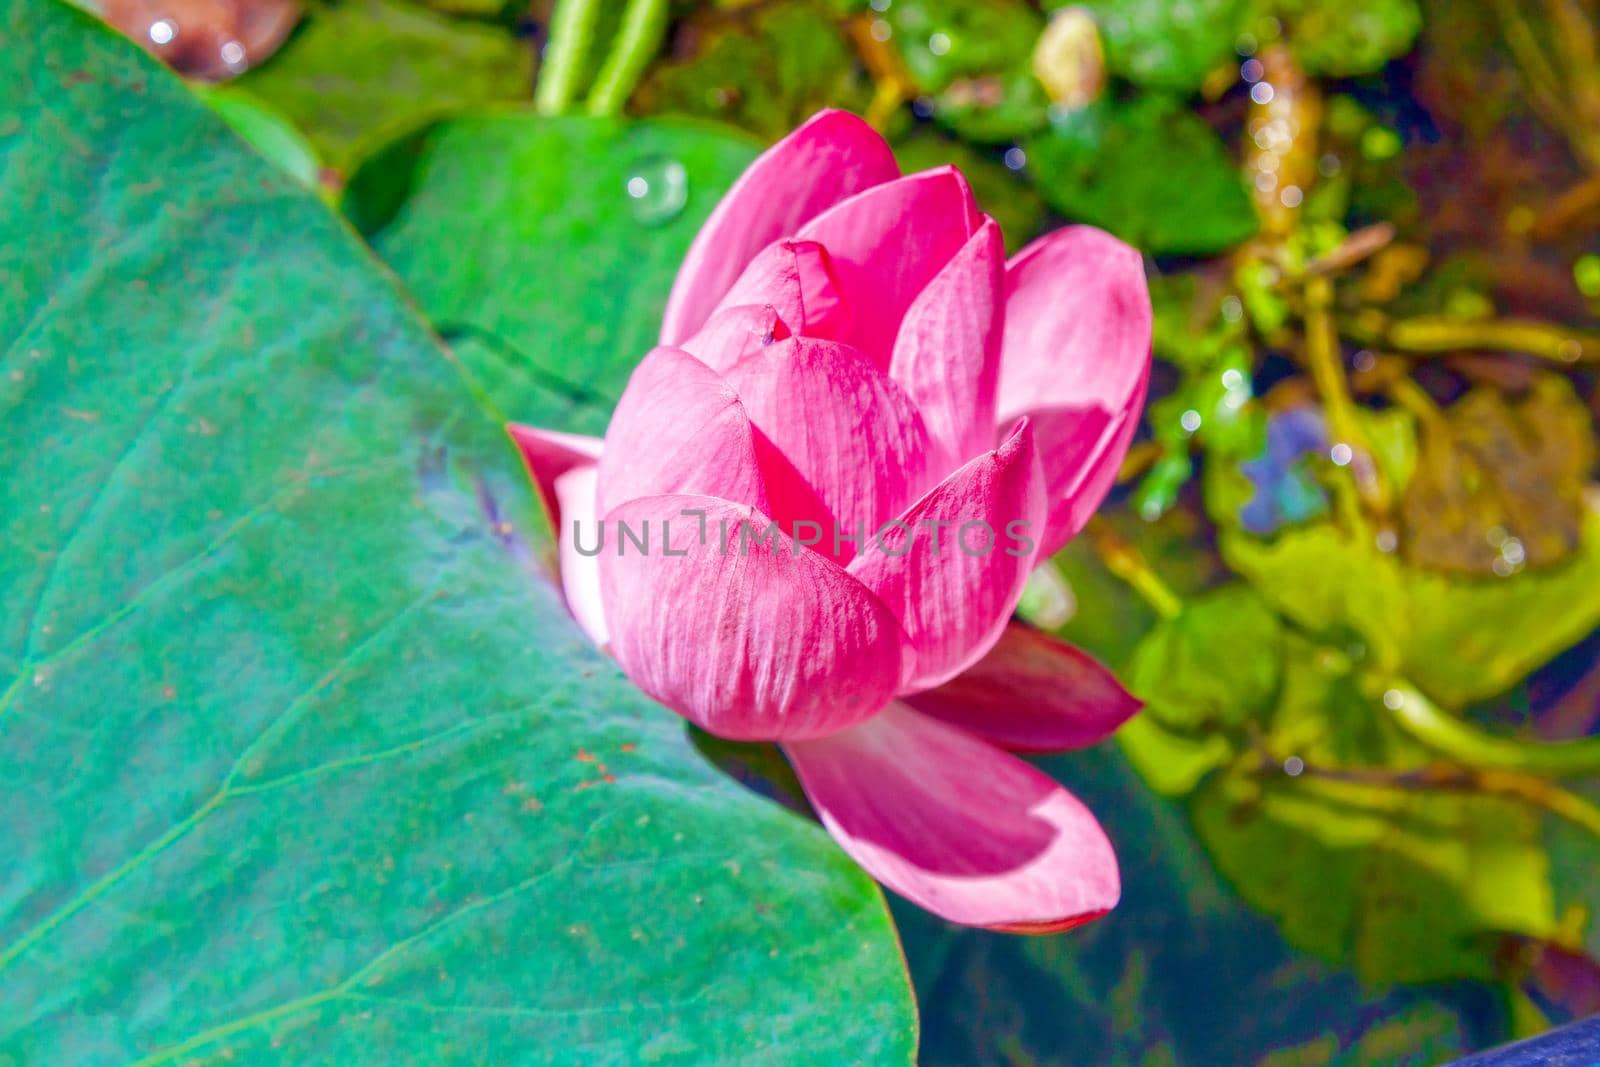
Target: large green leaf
(520,238)
(300,758)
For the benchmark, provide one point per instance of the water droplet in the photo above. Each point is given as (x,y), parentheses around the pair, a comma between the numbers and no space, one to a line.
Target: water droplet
(879,5)
(1190,420)
(1341,454)
(1393,699)
(232,55)
(1246,44)
(162,31)
(1513,552)
(1016,158)
(657,190)
(1262,92)
(1232,378)
(1293,766)
(939,44)
(1364,361)
(1387,541)
(1232,308)
(880,30)
(1251,70)
(1291,196)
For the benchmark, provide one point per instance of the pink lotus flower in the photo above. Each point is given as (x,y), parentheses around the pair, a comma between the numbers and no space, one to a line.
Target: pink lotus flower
(847,353)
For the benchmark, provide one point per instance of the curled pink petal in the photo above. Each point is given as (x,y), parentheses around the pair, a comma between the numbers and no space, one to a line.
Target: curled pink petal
(679,428)
(854,437)
(746,635)
(832,156)
(548,454)
(954,564)
(580,572)
(1032,693)
(957,826)
(947,353)
(1076,360)
(563,467)
(890,241)
(734,333)
(796,278)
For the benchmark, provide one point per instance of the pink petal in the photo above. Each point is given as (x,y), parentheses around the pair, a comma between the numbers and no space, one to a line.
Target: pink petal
(679,428)
(796,278)
(1032,693)
(580,570)
(947,353)
(832,156)
(888,243)
(1076,359)
(734,333)
(548,454)
(952,596)
(854,437)
(751,639)
(563,466)
(958,827)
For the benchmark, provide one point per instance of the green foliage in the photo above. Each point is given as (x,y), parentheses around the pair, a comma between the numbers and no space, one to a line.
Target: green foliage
(766,70)
(1361,866)
(994,108)
(360,72)
(307,760)
(1215,666)
(1458,639)
(1182,972)
(1149,171)
(269,133)
(1406,887)
(1158,44)
(518,237)
(1341,38)
(942,40)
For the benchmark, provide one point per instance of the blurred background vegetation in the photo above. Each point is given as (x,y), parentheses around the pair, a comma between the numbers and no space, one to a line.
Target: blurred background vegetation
(1354,564)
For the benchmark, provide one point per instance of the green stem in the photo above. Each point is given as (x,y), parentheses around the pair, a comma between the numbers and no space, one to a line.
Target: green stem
(571,30)
(1125,561)
(644,23)
(1466,744)
(1428,334)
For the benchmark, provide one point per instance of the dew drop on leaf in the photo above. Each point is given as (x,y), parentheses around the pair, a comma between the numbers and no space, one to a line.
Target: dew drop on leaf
(657,190)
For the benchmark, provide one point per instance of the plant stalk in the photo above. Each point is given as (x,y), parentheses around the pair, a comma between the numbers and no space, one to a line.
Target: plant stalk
(571,32)
(1480,751)
(644,24)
